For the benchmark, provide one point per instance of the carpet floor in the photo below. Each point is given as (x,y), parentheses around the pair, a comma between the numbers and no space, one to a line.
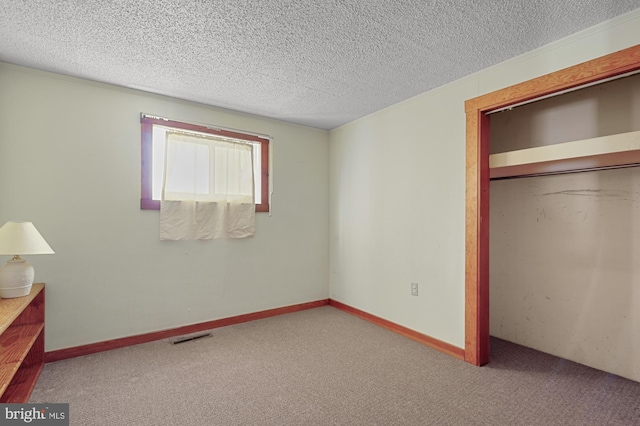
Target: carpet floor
(326,367)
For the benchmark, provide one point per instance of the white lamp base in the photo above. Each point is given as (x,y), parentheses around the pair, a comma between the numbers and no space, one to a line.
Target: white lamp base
(16,278)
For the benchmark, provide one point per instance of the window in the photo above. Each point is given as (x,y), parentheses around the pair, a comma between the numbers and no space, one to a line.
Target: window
(153,138)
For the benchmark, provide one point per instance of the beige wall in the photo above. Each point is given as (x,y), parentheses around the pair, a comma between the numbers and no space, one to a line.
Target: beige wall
(397,190)
(70,162)
(564,272)
(565,276)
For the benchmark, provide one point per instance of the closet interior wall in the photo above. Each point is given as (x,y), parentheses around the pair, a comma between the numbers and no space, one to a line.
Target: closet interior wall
(565,249)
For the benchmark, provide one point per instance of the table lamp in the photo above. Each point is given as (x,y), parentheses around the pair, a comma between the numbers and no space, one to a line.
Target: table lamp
(16,276)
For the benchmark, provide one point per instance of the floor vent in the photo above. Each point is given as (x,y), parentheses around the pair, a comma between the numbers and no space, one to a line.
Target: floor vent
(184,339)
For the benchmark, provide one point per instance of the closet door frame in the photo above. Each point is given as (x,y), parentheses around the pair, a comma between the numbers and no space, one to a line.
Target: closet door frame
(477,177)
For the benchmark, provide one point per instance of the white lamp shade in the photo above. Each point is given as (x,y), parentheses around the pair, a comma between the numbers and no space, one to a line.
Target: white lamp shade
(22,238)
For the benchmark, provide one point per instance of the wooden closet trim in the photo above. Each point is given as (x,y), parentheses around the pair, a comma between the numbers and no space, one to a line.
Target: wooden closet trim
(477,179)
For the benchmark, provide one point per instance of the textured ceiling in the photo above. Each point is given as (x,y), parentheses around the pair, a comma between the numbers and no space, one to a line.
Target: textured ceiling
(319,63)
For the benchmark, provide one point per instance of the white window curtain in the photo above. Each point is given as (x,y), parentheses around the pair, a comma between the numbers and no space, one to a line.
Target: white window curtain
(208,188)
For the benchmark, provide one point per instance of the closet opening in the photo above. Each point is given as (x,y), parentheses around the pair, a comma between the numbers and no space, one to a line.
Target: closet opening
(478,150)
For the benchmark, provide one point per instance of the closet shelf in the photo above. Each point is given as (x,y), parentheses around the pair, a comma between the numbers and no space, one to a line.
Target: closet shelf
(621,150)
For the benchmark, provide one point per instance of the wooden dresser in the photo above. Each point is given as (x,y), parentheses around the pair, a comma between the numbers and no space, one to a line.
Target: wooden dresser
(21,345)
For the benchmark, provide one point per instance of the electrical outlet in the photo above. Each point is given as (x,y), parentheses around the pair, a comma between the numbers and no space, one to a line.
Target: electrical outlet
(414,289)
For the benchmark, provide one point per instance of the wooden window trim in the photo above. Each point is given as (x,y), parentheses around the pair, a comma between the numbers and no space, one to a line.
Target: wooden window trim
(146,123)
(478,175)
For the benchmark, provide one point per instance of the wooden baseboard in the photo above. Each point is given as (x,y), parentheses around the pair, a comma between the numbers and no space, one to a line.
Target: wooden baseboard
(92,348)
(439,345)
(107,345)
